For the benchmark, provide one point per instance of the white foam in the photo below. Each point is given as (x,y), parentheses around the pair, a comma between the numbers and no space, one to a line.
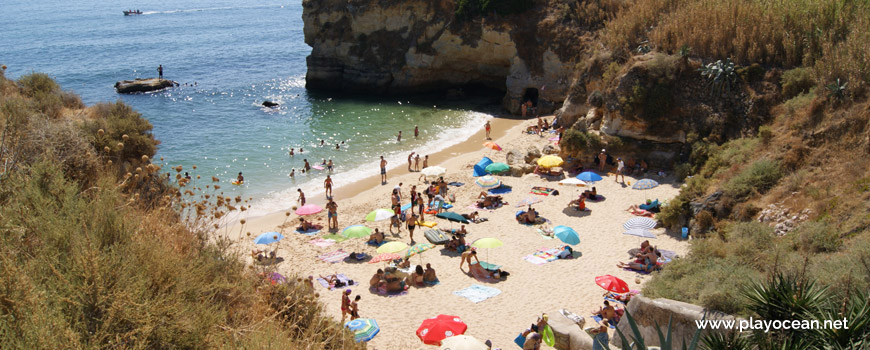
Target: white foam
(283,199)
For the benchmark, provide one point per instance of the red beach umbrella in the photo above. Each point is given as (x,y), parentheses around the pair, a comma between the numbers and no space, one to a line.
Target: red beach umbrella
(492,145)
(435,329)
(612,283)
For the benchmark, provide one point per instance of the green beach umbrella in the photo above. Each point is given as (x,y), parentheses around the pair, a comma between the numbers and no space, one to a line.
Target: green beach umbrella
(496,168)
(356,231)
(380,214)
(392,247)
(487,243)
(335,237)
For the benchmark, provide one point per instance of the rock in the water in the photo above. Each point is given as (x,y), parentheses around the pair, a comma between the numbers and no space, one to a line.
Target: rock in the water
(268,103)
(143,85)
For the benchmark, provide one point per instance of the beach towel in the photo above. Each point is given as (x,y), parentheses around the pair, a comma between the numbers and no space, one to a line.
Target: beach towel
(489,266)
(546,233)
(500,190)
(334,257)
(375,244)
(528,201)
(432,283)
(598,319)
(455,183)
(542,191)
(541,256)
(477,293)
(640,233)
(434,204)
(579,320)
(341,278)
(323,243)
(311,232)
(383,292)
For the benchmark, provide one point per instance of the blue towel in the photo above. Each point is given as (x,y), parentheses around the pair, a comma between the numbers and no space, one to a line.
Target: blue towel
(598,319)
(310,232)
(432,283)
(500,190)
(456,183)
(477,293)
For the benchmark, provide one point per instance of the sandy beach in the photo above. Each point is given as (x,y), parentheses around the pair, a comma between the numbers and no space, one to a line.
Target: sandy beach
(529,290)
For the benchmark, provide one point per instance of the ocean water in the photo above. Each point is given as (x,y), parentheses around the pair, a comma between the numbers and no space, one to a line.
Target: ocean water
(229,56)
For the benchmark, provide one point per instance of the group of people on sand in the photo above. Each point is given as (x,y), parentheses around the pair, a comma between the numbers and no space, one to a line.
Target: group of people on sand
(580,203)
(414,159)
(476,270)
(645,260)
(530,216)
(488,201)
(391,281)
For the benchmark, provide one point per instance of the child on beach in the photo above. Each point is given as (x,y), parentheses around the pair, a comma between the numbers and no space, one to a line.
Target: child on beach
(301,198)
(354,308)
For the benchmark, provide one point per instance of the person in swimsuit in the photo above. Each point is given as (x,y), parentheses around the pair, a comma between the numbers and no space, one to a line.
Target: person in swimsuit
(354,308)
(321,143)
(417,163)
(420,203)
(467,256)
(293,172)
(337,146)
(345,304)
(240,178)
(332,213)
(412,223)
(399,136)
(416,131)
(377,280)
(602,160)
(307,167)
(620,170)
(327,184)
(383,170)
(329,165)
(410,159)
(301,198)
(429,274)
(426,161)
(291,152)
(487,127)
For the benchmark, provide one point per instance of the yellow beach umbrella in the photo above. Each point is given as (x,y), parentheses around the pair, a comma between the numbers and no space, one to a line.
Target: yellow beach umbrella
(550,161)
(392,247)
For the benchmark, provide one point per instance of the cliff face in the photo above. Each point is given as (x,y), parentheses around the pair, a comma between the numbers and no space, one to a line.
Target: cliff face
(411,46)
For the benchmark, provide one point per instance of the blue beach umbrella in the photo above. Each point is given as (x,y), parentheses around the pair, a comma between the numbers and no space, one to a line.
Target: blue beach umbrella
(364,329)
(268,238)
(566,234)
(589,176)
(644,184)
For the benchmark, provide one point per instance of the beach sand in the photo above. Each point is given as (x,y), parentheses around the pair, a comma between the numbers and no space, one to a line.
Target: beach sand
(529,290)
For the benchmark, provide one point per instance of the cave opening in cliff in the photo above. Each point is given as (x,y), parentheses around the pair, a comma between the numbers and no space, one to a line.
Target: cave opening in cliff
(531,94)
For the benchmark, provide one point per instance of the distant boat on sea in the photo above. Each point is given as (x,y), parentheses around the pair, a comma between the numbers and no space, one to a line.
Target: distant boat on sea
(130,13)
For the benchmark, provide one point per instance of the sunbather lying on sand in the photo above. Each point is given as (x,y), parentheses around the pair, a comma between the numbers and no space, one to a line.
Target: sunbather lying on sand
(647,265)
(304,225)
(634,209)
(487,201)
(470,217)
(477,271)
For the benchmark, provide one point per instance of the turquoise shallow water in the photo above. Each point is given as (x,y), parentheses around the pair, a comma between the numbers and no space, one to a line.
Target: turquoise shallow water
(231,56)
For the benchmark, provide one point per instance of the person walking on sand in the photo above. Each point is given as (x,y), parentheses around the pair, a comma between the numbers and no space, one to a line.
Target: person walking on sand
(332,214)
(416,131)
(327,185)
(620,170)
(487,127)
(383,170)
(412,223)
(160,72)
(301,198)
(417,163)
(410,158)
(602,159)
(345,304)
(399,136)
(354,308)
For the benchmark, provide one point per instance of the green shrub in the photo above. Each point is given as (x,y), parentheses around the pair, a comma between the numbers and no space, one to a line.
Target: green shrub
(753,72)
(756,178)
(574,140)
(682,171)
(765,133)
(118,120)
(817,237)
(704,220)
(797,81)
(673,211)
(35,83)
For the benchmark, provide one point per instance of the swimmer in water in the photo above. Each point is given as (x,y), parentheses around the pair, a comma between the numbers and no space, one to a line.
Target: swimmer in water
(291,152)
(399,137)
(292,172)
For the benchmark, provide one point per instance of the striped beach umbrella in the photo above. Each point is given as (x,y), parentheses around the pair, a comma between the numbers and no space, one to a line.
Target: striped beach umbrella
(487,182)
(644,184)
(639,223)
(364,329)
(384,257)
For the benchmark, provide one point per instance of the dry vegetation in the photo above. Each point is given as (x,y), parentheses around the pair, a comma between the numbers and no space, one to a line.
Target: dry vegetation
(95,255)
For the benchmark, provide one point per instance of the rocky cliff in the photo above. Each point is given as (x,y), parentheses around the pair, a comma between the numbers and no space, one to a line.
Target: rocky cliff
(412,46)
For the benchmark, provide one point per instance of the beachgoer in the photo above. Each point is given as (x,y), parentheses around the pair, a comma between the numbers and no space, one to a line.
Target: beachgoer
(540,127)
(420,204)
(160,72)
(591,194)
(417,163)
(416,277)
(426,161)
(470,217)
(377,280)
(321,142)
(307,167)
(354,308)
(304,225)
(240,178)
(329,165)
(291,152)
(429,274)
(332,213)
(416,131)
(398,189)
(620,170)
(599,336)
(533,341)
(410,159)
(293,172)
(345,304)
(383,170)
(377,237)
(301,150)
(466,258)
(487,127)
(412,223)
(643,166)
(301,198)
(523,109)
(327,185)
(607,312)
(399,136)
(602,159)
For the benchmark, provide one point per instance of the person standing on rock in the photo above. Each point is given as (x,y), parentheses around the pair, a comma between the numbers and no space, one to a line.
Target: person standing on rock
(160,71)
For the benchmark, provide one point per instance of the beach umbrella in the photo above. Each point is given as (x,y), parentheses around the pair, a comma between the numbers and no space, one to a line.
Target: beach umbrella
(493,145)
(433,330)
(639,222)
(487,182)
(487,243)
(451,216)
(268,238)
(462,342)
(335,237)
(644,184)
(380,214)
(384,257)
(392,247)
(612,283)
(356,231)
(418,249)
(433,171)
(566,234)
(364,329)
(589,176)
(309,209)
(528,201)
(573,181)
(550,161)
(496,168)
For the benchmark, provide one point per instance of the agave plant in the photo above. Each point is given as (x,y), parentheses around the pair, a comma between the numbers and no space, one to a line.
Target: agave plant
(665,340)
(722,75)
(837,90)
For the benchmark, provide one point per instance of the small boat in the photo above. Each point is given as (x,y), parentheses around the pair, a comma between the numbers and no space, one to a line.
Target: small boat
(130,13)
